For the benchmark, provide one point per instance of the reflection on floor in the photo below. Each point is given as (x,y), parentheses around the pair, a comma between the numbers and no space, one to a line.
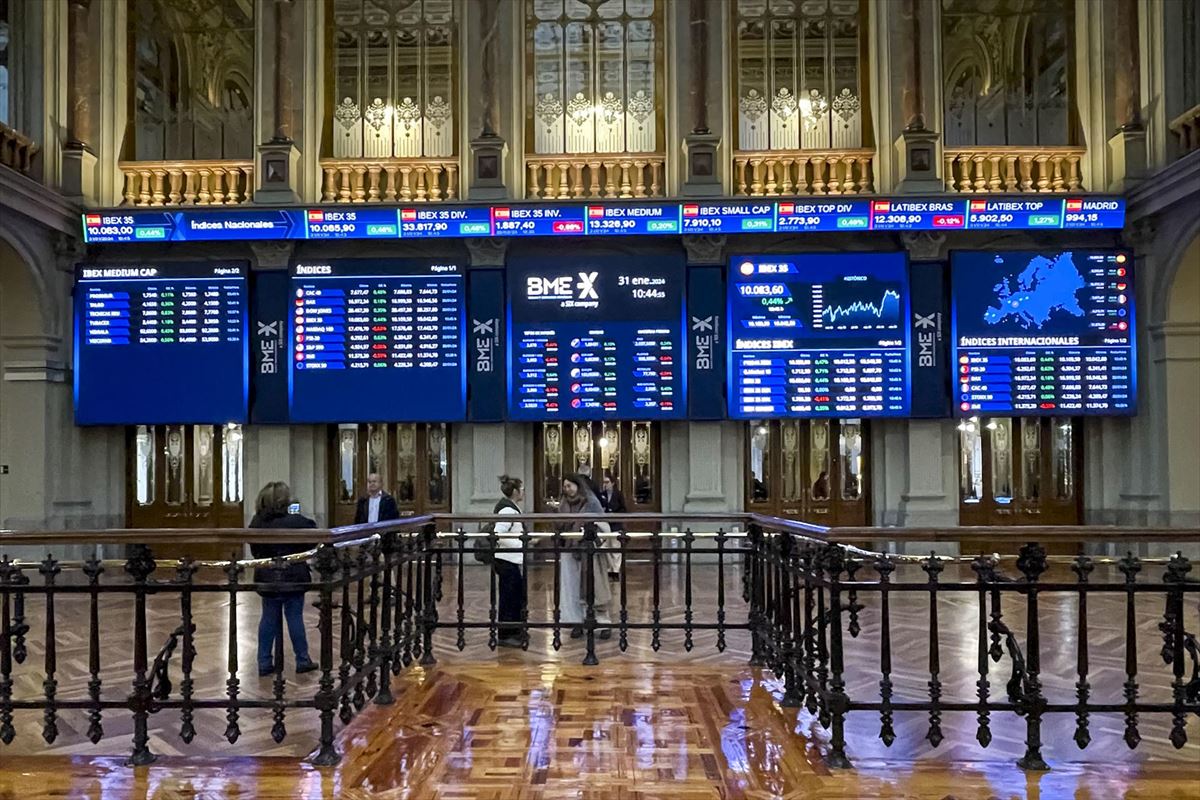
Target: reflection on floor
(668,724)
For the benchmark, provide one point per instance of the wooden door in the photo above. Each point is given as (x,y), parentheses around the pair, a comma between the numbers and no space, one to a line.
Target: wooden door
(1020,471)
(185,476)
(413,459)
(627,451)
(813,470)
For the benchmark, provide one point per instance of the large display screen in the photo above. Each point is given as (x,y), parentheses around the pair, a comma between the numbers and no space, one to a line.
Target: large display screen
(596,338)
(161,343)
(818,335)
(377,340)
(1043,333)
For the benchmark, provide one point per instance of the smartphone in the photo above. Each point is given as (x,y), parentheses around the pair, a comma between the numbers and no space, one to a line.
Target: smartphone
(294,508)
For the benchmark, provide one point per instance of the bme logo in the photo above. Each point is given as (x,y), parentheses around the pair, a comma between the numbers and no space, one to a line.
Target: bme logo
(561,288)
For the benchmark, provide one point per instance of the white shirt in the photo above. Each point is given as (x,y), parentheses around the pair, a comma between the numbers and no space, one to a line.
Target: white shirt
(373,507)
(509,527)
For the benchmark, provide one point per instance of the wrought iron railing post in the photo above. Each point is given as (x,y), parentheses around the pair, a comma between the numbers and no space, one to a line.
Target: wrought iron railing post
(1032,563)
(884,566)
(785,625)
(141,700)
(386,652)
(985,575)
(838,703)
(756,618)
(1130,566)
(1177,569)
(933,567)
(590,541)
(7,731)
(50,570)
(92,568)
(1082,568)
(429,614)
(326,700)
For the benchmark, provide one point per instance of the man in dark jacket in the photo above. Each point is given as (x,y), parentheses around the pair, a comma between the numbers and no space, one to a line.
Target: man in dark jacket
(274,509)
(378,505)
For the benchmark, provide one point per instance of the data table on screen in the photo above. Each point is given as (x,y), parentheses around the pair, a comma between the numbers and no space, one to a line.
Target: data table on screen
(596,338)
(377,340)
(818,335)
(1044,333)
(161,343)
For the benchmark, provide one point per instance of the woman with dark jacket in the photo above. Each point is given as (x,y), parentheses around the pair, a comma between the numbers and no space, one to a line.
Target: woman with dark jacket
(274,510)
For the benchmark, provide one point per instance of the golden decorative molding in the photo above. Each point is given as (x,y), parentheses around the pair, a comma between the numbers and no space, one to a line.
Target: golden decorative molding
(612,175)
(979,170)
(17,150)
(1187,127)
(220,182)
(771,173)
(390,180)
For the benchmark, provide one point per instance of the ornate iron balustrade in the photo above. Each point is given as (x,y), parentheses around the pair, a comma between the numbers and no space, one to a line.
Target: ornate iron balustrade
(383,591)
(1013,169)
(221,182)
(389,180)
(772,173)
(810,598)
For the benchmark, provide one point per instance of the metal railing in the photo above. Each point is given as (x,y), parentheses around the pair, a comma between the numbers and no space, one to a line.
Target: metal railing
(383,591)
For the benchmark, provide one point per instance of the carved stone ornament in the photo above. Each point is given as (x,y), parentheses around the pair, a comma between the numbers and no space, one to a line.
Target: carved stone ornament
(347,114)
(548,109)
(487,252)
(818,105)
(376,114)
(924,245)
(272,255)
(705,249)
(68,250)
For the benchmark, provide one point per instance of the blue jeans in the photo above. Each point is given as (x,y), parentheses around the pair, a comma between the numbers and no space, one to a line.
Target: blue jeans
(270,628)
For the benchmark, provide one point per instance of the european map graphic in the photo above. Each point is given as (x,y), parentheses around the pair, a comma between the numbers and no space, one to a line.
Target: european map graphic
(1045,286)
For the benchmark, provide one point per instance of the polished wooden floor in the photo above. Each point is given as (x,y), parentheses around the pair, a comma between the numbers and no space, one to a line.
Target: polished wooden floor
(536,726)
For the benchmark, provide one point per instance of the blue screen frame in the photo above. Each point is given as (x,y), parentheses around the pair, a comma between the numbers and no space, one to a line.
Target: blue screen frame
(829,263)
(962,259)
(193,384)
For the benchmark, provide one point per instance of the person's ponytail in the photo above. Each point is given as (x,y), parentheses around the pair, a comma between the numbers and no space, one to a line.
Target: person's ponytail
(510,485)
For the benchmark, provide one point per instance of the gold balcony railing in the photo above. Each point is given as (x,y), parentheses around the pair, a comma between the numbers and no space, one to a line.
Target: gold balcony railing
(17,150)
(769,173)
(389,180)
(1187,127)
(1013,169)
(188,183)
(623,175)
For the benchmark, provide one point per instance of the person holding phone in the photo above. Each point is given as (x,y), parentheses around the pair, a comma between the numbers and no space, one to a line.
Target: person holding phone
(276,509)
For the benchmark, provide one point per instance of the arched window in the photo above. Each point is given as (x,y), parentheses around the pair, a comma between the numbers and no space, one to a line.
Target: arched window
(394,78)
(1005,72)
(799,74)
(185,64)
(594,76)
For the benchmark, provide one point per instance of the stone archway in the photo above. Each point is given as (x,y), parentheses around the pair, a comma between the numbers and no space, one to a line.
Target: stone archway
(1180,349)
(23,330)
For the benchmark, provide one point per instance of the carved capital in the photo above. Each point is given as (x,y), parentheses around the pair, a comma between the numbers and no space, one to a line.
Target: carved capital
(272,255)
(488,252)
(924,245)
(705,249)
(1142,233)
(68,251)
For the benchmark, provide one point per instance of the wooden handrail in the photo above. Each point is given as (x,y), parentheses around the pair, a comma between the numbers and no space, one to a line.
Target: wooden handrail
(1032,533)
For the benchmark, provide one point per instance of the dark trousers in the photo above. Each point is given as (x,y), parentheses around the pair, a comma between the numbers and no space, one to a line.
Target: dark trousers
(512,595)
(270,628)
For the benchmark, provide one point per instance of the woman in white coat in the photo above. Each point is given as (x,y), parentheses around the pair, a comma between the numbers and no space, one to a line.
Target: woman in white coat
(578,498)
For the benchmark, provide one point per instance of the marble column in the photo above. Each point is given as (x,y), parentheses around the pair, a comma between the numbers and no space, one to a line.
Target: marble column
(1128,144)
(279,159)
(488,148)
(703,178)
(918,147)
(79,159)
